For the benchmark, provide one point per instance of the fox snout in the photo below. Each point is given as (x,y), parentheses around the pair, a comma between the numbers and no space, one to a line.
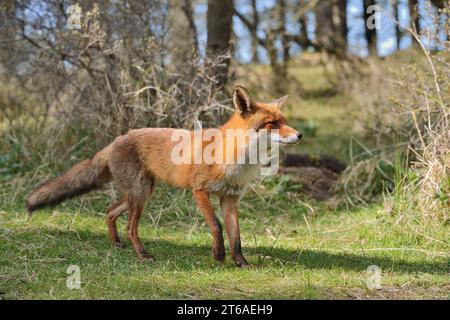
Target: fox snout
(287,136)
(291,139)
(288,140)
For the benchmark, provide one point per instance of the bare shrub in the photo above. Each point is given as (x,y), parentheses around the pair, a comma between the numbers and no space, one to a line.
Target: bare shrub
(75,90)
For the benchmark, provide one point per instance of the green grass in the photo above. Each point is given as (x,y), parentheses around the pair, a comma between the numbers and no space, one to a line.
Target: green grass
(294,253)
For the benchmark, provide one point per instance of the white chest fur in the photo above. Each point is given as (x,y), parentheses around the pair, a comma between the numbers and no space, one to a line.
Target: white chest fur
(236,179)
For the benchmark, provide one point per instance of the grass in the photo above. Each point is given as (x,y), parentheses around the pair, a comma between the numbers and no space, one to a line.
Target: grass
(294,253)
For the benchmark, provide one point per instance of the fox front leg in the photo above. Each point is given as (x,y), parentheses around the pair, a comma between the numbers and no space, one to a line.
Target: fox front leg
(229,209)
(204,204)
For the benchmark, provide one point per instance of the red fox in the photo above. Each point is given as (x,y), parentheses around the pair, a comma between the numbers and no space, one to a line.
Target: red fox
(140,158)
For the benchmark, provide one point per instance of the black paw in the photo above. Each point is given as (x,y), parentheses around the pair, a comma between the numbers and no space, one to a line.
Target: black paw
(240,261)
(219,254)
(146,257)
(119,245)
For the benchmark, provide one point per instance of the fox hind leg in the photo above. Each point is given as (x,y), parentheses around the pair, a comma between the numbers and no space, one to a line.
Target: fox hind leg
(134,180)
(136,207)
(112,213)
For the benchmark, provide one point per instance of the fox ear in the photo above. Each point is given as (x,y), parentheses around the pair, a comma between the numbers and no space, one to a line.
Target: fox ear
(242,100)
(279,102)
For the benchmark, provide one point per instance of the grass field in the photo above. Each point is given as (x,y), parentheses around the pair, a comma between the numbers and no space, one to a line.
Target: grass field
(298,248)
(294,255)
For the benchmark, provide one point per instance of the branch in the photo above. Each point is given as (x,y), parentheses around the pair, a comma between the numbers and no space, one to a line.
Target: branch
(188,12)
(251,27)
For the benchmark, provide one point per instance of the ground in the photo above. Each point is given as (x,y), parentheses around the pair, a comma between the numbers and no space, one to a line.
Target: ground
(294,255)
(298,248)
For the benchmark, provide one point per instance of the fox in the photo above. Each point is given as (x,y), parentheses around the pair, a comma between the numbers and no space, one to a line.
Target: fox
(139,159)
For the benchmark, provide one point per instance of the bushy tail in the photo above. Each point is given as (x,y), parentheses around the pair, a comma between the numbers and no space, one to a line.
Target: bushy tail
(84,177)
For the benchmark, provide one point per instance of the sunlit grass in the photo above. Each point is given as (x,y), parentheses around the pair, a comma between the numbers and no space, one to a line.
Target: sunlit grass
(296,251)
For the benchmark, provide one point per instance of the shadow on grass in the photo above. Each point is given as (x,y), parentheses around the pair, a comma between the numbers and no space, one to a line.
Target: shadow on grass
(316,259)
(184,256)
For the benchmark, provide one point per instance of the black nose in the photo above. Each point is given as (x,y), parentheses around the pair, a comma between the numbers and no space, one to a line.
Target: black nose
(299,135)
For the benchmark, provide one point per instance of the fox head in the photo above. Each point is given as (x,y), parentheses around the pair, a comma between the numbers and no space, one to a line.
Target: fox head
(257,115)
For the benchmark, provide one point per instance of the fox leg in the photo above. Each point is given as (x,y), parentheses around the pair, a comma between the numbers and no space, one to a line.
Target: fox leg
(112,213)
(228,206)
(135,209)
(204,204)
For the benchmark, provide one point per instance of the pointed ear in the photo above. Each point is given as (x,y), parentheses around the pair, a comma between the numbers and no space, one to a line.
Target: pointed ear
(242,100)
(279,102)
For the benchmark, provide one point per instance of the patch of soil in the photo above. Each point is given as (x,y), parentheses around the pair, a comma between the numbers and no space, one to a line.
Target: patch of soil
(305,160)
(317,183)
(317,175)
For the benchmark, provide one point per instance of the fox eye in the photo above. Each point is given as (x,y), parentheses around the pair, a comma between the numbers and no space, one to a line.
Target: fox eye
(273,125)
(269,125)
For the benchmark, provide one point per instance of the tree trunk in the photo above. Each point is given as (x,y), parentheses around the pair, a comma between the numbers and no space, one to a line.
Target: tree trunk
(340,23)
(370,26)
(324,25)
(280,68)
(219,24)
(414,15)
(254,32)
(331,26)
(398,31)
(8,30)
(183,44)
(304,28)
(282,29)
(442,17)
(189,13)
(440,4)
